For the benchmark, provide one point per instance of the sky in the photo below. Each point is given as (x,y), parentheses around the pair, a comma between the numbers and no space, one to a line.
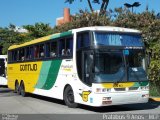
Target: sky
(25,12)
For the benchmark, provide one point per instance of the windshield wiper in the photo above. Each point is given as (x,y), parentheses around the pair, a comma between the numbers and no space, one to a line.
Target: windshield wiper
(120,80)
(136,76)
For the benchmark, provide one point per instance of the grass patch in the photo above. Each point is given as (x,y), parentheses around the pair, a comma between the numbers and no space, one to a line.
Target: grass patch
(155,89)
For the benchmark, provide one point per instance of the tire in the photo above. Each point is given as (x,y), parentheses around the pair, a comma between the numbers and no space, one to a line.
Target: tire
(17,88)
(22,90)
(69,97)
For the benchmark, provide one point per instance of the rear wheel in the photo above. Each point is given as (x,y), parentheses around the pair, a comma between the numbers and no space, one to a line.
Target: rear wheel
(16,87)
(22,90)
(69,98)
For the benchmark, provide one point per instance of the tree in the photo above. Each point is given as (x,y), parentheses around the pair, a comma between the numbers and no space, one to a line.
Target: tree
(38,30)
(84,19)
(9,37)
(104,5)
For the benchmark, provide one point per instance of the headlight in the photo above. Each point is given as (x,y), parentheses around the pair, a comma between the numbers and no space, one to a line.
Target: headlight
(144,87)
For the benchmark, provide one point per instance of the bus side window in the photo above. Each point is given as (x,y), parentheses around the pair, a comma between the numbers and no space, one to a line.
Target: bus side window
(36,51)
(41,51)
(15,55)
(31,53)
(10,54)
(62,49)
(21,54)
(83,40)
(53,52)
(48,48)
(27,53)
(69,46)
(66,47)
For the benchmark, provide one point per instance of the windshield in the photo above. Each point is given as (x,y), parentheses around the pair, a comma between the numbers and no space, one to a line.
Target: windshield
(136,65)
(117,39)
(109,67)
(115,66)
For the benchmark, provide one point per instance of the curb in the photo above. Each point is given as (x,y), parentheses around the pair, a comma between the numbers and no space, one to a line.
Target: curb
(157,99)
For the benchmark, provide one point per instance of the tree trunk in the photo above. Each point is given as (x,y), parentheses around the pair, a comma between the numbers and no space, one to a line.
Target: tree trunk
(104,7)
(90,6)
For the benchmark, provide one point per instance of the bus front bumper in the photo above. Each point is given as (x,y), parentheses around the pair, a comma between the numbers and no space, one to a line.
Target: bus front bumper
(107,99)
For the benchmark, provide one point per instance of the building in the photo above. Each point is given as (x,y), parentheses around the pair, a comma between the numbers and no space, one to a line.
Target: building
(66,17)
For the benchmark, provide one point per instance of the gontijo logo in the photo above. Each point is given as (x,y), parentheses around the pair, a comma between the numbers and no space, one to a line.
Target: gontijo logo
(28,67)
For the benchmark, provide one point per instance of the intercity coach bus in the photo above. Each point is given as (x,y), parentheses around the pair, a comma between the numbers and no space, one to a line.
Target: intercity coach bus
(95,66)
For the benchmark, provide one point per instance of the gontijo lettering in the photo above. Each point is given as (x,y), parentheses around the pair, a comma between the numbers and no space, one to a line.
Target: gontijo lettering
(28,67)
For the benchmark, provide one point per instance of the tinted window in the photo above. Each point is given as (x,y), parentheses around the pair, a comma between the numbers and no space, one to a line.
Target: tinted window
(41,51)
(31,53)
(53,52)
(66,47)
(117,39)
(27,53)
(83,40)
(48,49)
(36,51)
(21,53)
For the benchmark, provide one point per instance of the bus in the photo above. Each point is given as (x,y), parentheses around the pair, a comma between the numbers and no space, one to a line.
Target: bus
(94,66)
(3,68)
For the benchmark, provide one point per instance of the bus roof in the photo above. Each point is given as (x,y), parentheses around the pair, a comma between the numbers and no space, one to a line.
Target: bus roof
(93,28)
(42,39)
(108,28)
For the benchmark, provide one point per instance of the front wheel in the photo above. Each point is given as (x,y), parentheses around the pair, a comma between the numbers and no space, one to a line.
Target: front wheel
(69,98)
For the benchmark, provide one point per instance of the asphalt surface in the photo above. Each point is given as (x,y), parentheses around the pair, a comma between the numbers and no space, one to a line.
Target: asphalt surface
(11,103)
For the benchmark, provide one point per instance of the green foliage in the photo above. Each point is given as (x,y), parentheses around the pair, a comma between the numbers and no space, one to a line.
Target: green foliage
(38,30)
(154,88)
(8,36)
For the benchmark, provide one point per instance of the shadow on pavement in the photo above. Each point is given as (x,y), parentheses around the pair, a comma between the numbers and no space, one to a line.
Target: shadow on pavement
(115,108)
(5,92)
(120,108)
(48,99)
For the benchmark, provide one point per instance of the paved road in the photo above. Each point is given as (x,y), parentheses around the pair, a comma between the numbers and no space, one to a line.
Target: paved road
(11,103)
